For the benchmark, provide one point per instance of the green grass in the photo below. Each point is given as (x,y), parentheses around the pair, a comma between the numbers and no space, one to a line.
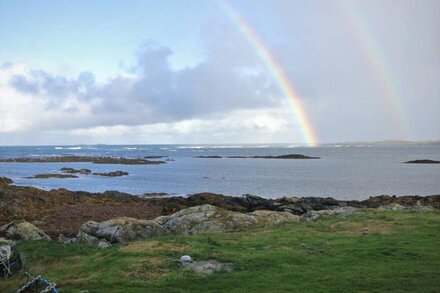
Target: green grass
(371,252)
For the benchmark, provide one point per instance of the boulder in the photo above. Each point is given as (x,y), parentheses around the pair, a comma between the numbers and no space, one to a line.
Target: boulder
(205,219)
(312,216)
(22,230)
(119,230)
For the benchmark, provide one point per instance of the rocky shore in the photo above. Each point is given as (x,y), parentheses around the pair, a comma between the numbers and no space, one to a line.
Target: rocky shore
(61,211)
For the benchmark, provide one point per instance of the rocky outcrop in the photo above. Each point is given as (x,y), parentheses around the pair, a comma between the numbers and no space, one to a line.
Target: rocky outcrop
(112,174)
(4,181)
(75,171)
(190,221)
(398,207)
(22,230)
(312,216)
(409,201)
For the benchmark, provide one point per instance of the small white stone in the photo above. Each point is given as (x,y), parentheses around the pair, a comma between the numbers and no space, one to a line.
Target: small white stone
(186,259)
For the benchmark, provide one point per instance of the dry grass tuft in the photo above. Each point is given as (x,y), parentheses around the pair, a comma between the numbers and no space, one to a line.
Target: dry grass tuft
(150,246)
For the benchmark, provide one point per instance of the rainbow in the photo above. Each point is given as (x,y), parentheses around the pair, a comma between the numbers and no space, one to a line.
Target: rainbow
(277,73)
(381,70)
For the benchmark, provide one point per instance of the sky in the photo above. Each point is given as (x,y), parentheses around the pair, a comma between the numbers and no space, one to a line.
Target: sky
(156,72)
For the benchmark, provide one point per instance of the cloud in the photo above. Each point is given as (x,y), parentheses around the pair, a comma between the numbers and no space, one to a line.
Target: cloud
(150,92)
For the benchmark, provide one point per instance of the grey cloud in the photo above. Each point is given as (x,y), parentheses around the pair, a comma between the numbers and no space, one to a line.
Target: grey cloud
(54,88)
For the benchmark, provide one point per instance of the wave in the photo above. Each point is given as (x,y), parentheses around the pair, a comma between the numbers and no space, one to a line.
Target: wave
(68,148)
(227,147)
(191,147)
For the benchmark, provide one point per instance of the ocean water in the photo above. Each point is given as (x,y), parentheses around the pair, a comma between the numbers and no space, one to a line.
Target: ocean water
(343,172)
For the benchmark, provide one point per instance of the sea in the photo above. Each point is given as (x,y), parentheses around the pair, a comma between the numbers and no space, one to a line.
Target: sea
(344,171)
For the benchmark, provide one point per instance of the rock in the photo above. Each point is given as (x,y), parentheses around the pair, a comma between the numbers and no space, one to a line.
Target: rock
(22,230)
(52,175)
(274,218)
(193,220)
(392,207)
(4,181)
(116,194)
(65,240)
(112,174)
(338,212)
(104,244)
(74,171)
(186,259)
(119,230)
(37,223)
(421,208)
(205,219)
(209,267)
(9,252)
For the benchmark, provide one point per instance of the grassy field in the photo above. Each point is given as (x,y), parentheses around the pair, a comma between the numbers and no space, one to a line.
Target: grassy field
(371,252)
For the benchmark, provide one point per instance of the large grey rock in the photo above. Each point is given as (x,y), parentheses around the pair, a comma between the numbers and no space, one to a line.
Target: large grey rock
(119,230)
(22,230)
(338,212)
(205,219)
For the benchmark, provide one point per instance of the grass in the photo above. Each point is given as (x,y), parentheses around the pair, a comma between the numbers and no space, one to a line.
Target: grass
(371,252)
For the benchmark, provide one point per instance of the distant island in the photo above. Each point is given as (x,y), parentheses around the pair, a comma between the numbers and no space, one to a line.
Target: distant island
(82,159)
(425,161)
(286,157)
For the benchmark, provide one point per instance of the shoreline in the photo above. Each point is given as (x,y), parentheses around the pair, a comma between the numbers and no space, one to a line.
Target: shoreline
(62,211)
